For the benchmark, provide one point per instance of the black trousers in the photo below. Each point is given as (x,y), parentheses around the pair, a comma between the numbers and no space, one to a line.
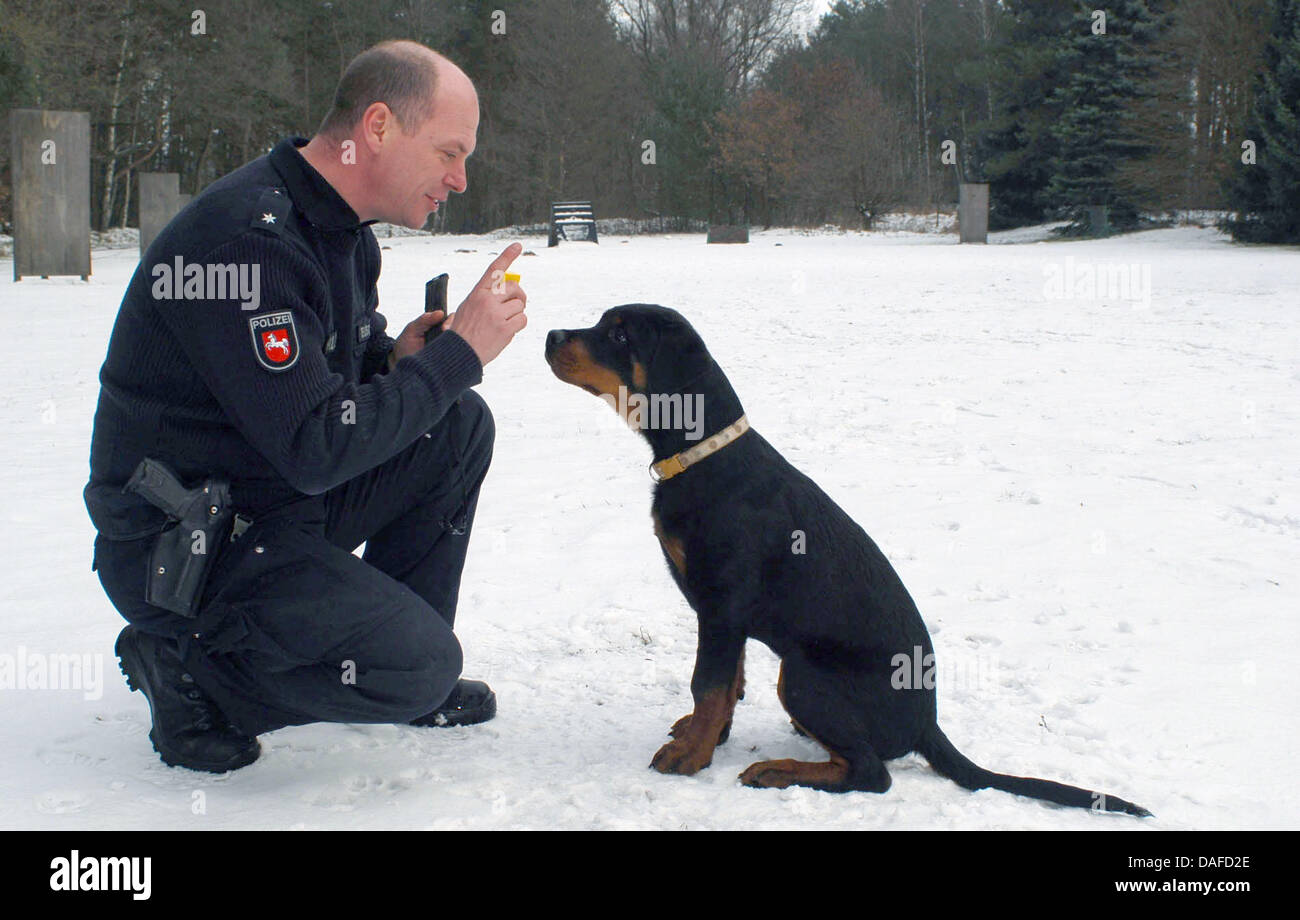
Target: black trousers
(294,628)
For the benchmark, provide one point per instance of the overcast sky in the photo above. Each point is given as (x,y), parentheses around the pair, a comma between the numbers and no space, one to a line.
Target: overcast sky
(819,7)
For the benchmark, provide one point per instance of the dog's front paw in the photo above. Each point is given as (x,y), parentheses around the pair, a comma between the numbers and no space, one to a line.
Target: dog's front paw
(682,757)
(682,727)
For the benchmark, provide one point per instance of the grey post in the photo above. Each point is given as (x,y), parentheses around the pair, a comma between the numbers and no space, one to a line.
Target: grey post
(50,162)
(1098,220)
(973,212)
(728,233)
(159,203)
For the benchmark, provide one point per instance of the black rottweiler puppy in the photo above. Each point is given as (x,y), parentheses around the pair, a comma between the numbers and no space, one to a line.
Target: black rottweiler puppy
(760,551)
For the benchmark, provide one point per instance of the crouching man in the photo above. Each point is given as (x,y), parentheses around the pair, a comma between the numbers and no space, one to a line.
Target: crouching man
(282,428)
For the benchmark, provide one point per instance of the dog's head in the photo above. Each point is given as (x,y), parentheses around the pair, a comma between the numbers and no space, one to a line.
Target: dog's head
(643,348)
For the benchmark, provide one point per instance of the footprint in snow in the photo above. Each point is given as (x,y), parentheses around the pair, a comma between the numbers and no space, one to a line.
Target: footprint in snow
(61,802)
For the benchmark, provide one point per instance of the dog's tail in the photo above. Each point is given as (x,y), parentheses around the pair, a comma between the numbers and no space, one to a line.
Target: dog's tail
(946,759)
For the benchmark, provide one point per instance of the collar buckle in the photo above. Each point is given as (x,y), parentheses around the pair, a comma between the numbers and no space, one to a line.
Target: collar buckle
(678,462)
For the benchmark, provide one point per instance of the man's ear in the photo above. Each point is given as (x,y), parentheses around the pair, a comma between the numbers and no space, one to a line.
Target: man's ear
(376,122)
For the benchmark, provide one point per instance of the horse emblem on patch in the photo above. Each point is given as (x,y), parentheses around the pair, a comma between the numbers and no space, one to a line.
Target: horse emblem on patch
(275,340)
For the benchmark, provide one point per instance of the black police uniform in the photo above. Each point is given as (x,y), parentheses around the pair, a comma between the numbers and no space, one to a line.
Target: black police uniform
(287,395)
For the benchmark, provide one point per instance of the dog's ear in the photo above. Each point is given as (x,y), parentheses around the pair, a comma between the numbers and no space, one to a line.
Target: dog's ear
(678,357)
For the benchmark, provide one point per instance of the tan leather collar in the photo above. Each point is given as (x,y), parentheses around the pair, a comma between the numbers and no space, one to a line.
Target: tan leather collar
(678,462)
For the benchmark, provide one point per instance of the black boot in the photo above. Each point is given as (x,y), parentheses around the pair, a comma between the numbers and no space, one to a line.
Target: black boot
(188,728)
(471,701)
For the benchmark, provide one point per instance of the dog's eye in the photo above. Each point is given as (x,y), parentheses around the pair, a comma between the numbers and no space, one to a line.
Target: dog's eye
(617,335)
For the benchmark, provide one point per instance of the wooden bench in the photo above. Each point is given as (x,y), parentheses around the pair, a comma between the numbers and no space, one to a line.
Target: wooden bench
(567,217)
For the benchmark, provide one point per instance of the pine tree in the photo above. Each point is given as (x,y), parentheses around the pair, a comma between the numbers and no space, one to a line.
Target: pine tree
(1015,153)
(1266,193)
(1109,61)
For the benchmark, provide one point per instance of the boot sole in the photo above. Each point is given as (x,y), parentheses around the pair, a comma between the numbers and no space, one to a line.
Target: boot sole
(453,719)
(242,759)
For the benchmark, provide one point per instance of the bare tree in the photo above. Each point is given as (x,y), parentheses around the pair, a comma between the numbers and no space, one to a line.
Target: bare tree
(567,109)
(759,144)
(1198,103)
(860,148)
(739,35)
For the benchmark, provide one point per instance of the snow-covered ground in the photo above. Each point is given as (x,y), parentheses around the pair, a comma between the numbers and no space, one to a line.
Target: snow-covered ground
(1092,499)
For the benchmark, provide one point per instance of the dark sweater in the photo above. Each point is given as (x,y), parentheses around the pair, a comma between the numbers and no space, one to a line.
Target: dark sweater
(193,383)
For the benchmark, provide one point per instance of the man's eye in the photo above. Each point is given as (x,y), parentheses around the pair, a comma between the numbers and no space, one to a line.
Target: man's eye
(618,336)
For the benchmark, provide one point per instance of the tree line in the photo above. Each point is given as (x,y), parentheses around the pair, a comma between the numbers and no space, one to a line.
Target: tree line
(713,110)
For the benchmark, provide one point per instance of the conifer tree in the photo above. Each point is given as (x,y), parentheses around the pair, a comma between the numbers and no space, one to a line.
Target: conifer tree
(1016,152)
(1266,193)
(1108,57)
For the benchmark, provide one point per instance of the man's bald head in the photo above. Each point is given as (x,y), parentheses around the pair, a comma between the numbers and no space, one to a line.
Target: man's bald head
(404,121)
(404,75)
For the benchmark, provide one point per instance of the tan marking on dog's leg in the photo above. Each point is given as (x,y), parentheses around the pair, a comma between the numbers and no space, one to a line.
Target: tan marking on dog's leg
(672,546)
(778,774)
(737,689)
(692,750)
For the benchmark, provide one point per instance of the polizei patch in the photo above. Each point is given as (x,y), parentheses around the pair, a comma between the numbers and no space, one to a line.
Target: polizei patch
(275,340)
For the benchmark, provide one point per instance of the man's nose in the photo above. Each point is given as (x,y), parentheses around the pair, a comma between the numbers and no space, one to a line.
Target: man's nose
(457,181)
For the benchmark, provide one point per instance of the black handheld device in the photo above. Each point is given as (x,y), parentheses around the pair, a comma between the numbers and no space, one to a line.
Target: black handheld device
(435,298)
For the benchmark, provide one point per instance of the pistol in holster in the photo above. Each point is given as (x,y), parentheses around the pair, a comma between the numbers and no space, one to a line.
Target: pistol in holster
(184,551)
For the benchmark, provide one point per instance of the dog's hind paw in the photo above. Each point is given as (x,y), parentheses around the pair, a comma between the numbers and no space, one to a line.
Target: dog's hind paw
(771,774)
(832,775)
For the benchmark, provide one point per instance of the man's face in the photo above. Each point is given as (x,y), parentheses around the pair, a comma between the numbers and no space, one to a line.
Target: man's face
(419,170)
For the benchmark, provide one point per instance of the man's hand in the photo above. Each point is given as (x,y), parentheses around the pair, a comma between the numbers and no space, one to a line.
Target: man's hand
(494,311)
(412,338)
(488,319)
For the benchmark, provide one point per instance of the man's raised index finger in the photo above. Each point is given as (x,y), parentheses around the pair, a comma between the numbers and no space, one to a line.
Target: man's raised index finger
(502,262)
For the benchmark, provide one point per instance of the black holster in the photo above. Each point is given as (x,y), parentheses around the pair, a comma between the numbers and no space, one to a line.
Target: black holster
(184,551)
